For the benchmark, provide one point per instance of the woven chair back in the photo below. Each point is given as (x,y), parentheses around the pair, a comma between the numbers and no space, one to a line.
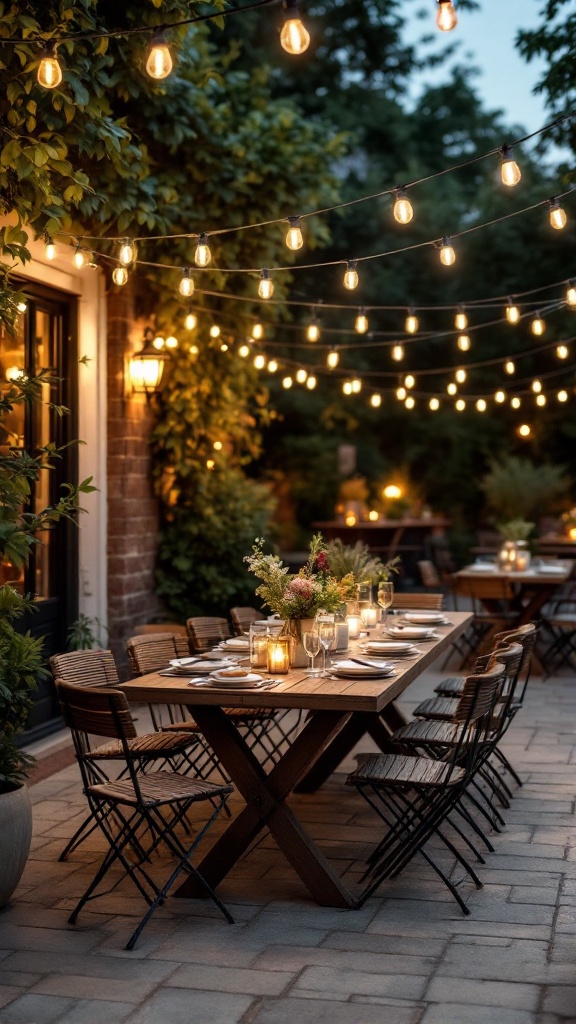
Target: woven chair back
(207,630)
(85,668)
(424,602)
(154,651)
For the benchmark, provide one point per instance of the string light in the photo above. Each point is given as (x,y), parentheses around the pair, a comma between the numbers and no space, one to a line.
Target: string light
(512,312)
(446,17)
(376,401)
(557,215)
(524,430)
(460,405)
(272,366)
(259,362)
(463,342)
(481,405)
(460,375)
(537,326)
(361,322)
(351,276)
(158,343)
(411,322)
(562,351)
(79,257)
(403,211)
(202,254)
(356,385)
(186,287)
(258,331)
(294,37)
(562,396)
(410,402)
(541,400)
(398,353)
(210,463)
(400,394)
(244,351)
(301,375)
(224,347)
(536,386)
(294,239)
(510,367)
(460,320)
(214,331)
(516,402)
(265,285)
(409,381)
(50,248)
(49,70)
(571,294)
(347,387)
(287,382)
(500,397)
(452,388)
(191,321)
(311,383)
(434,404)
(159,62)
(218,446)
(127,253)
(332,359)
(313,330)
(447,253)
(509,169)
(171,342)
(120,275)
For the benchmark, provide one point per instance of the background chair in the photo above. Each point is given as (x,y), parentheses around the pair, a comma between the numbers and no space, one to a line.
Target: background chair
(427,602)
(492,605)
(174,628)
(242,617)
(205,631)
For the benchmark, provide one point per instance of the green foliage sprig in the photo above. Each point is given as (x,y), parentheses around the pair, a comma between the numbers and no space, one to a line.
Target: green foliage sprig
(300,595)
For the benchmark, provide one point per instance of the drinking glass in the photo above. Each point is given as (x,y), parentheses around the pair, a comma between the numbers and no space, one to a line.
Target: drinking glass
(311,642)
(326,628)
(384,598)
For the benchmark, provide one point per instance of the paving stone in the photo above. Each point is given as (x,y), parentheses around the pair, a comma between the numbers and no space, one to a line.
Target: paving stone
(180,1006)
(8,993)
(324,1011)
(561,1000)
(328,979)
(96,966)
(294,959)
(504,995)
(79,986)
(461,1013)
(543,895)
(96,1011)
(64,940)
(30,1009)
(390,943)
(261,982)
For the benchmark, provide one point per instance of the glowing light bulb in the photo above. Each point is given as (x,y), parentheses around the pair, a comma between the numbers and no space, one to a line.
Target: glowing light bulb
(356,385)
(557,214)
(571,295)
(447,253)
(524,430)
(460,375)
(512,313)
(313,330)
(361,322)
(294,37)
(50,248)
(214,331)
(311,383)
(186,286)
(202,254)
(452,388)
(272,366)
(537,386)
(463,342)
(347,387)
(265,286)
(217,446)
(460,405)
(461,320)
(509,366)
(481,405)
(258,331)
(509,169)
(434,404)
(516,402)
(79,258)
(120,275)
(562,396)
(500,397)
(541,400)
(171,342)
(49,70)
(159,62)
(400,394)
(244,351)
(332,359)
(158,343)
(224,347)
(127,253)
(194,350)
(538,326)
(351,276)
(301,375)
(403,211)
(287,382)
(22,307)
(411,323)
(562,351)
(191,321)
(376,401)
(410,402)
(398,353)
(294,239)
(446,17)
(259,362)
(409,381)
(210,463)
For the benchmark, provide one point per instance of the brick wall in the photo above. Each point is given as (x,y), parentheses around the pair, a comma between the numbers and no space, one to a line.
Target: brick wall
(132,509)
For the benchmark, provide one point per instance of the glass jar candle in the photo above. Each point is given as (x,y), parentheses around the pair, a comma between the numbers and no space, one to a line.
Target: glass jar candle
(278,654)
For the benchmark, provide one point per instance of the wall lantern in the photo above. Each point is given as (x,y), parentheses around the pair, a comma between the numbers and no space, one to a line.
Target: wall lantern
(145,368)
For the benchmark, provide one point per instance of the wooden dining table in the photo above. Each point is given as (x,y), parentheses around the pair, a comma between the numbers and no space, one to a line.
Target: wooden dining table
(340,711)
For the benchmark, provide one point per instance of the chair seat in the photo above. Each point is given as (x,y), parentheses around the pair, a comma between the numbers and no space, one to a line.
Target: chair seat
(451,687)
(151,743)
(159,788)
(436,707)
(398,770)
(430,732)
(191,726)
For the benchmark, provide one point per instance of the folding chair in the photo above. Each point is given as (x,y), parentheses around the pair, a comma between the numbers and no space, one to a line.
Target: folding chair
(138,814)
(559,620)
(493,610)
(242,617)
(414,796)
(205,631)
(423,602)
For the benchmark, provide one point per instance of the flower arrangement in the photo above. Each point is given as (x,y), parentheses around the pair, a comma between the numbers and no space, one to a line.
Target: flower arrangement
(516,529)
(300,595)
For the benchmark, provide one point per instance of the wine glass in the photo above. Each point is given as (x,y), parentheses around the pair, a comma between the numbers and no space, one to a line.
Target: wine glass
(384,598)
(326,628)
(311,642)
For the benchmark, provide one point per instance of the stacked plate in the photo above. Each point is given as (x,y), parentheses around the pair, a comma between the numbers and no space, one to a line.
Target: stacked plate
(196,666)
(238,644)
(425,618)
(369,669)
(235,679)
(392,648)
(411,633)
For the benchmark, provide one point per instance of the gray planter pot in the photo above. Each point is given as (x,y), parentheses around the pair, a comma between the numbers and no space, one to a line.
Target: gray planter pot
(15,839)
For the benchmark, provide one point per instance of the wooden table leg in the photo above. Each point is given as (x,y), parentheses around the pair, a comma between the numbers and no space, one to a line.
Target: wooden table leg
(265,797)
(379,727)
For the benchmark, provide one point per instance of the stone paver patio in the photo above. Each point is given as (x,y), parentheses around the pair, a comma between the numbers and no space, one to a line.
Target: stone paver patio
(408,957)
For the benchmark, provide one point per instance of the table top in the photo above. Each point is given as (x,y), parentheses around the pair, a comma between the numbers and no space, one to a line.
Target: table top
(393,524)
(300,691)
(531,575)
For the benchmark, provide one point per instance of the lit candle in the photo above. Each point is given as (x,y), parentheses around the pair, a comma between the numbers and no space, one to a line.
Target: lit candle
(342,635)
(353,626)
(572,533)
(278,654)
(369,616)
(521,561)
(350,519)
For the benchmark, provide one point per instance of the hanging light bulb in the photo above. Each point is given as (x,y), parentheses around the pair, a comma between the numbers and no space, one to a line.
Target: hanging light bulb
(159,62)
(294,37)
(541,400)
(410,402)
(49,70)
(186,287)
(460,405)
(287,382)
(191,321)
(460,375)
(259,362)
(244,351)
(403,211)
(311,383)
(524,430)
(571,294)
(79,257)
(411,322)
(463,342)
(294,239)
(434,404)
(224,347)
(562,396)
(272,366)
(158,343)
(398,353)
(351,276)
(50,248)
(376,401)
(562,351)
(22,307)
(557,214)
(171,342)
(536,386)
(538,326)
(447,253)
(202,254)
(446,17)
(510,367)
(119,275)
(347,387)
(500,397)
(409,381)
(127,253)
(356,385)
(516,402)
(512,312)
(332,359)
(301,375)
(509,169)
(361,322)
(214,331)
(265,286)
(452,388)
(401,394)
(461,320)
(313,330)
(481,405)
(258,331)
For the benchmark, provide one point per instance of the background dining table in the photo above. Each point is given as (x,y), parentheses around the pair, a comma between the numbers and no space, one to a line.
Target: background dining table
(340,712)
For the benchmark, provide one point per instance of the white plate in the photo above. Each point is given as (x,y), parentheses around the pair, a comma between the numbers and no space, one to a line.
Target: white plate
(550,570)
(353,668)
(213,684)
(388,647)
(237,682)
(412,632)
(358,672)
(421,618)
(236,643)
(481,567)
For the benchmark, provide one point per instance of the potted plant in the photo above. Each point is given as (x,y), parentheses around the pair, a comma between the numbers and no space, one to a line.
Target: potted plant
(21,661)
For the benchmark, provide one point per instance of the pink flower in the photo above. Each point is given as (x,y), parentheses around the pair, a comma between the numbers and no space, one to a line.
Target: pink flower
(300,587)
(322,563)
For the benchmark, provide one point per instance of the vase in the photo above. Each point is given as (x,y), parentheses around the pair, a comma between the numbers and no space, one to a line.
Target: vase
(294,628)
